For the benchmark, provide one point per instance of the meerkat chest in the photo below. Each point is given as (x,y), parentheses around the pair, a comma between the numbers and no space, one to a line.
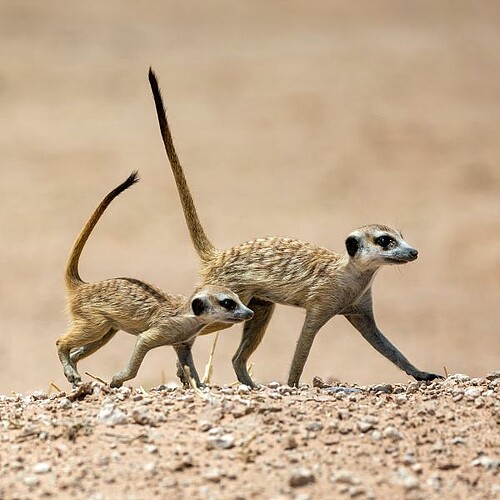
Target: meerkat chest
(353,287)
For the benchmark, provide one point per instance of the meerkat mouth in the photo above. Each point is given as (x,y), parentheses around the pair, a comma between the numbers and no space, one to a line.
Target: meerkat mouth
(400,260)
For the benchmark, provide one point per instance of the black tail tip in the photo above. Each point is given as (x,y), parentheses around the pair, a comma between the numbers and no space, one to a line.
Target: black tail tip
(132,178)
(152,77)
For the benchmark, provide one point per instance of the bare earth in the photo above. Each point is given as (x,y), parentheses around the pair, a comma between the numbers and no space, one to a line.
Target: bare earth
(437,440)
(297,118)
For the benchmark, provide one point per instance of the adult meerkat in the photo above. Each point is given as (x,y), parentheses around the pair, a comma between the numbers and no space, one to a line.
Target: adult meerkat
(100,309)
(274,270)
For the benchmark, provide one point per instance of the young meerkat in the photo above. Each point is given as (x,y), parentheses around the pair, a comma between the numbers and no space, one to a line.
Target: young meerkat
(275,270)
(100,309)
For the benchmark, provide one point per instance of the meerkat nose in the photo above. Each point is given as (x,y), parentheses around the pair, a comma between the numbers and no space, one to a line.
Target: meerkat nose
(248,314)
(413,253)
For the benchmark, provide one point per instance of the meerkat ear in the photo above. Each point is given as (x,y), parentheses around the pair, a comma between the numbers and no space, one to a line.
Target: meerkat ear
(352,245)
(198,306)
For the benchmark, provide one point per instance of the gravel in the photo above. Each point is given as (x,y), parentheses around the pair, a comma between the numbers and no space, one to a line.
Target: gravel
(420,440)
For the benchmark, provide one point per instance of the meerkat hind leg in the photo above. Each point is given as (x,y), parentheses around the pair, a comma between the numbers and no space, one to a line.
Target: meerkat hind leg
(364,322)
(74,338)
(253,332)
(312,325)
(88,349)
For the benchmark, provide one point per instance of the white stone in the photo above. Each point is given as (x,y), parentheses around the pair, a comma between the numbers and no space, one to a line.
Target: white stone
(64,404)
(42,468)
(345,477)
(220,442)
(31,481)
(109,415)
(392,433)
(301,477)
(472,392)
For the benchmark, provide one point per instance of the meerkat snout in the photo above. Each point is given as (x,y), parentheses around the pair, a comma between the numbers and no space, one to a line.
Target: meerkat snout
(413,253)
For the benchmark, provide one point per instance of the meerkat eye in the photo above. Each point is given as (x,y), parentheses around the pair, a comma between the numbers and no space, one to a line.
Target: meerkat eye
(384,241)
(228,304)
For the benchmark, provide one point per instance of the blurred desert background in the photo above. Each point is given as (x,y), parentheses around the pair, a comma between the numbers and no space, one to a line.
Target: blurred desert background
(293,118)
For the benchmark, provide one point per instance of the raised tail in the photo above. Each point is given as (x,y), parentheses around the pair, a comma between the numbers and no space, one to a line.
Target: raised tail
(72,276)
(202,244)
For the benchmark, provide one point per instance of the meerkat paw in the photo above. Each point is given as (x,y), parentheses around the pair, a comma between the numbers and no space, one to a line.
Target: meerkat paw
(252,385)
(116,381)
(72,375)
(181,375)
(425,376)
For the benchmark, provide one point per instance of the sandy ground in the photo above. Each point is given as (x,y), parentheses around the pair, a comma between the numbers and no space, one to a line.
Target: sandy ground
(413,441)
(291,118)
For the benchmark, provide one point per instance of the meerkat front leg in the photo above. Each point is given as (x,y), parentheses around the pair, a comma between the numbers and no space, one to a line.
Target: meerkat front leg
(363,320)
(253,331)
(185,358)
(142,346)
(312,324)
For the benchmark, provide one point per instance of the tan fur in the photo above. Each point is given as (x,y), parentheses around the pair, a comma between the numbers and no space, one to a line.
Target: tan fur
(100,309)
(273,270)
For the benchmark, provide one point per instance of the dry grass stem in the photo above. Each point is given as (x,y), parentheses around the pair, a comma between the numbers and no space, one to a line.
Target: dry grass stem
(96,378)
(207,374)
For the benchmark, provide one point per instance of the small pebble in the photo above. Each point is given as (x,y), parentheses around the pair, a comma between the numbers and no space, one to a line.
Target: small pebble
(364,426)
(205,425)
(392,433)
(109,415)
(149,467)
(382,388)
(408,480)
(42,468)
(301,477)
(401,399)
(31,481)
(493,375)
(290,443)
(314,426)
(345,477)
(486,462)
(64,404)
(213,475)
(224,442)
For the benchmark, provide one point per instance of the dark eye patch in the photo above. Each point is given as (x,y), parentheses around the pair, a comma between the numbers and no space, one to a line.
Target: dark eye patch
(228,304)
(198,306)
(352,245)
(384,241)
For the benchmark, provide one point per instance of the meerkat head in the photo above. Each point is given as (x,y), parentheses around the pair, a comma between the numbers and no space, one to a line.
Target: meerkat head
(375,245)
(219,304)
